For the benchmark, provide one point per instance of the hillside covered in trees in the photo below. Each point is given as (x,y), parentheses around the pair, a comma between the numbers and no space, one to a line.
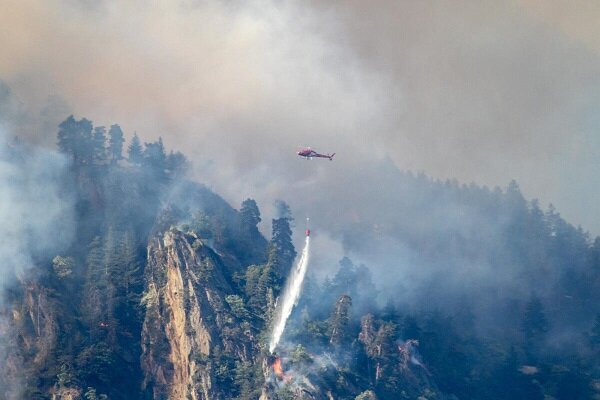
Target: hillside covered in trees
(165,291)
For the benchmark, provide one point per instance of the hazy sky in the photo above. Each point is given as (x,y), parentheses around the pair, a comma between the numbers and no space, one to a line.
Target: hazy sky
(482,91)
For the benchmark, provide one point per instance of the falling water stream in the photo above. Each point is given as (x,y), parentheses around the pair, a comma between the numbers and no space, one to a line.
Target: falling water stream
(290,296)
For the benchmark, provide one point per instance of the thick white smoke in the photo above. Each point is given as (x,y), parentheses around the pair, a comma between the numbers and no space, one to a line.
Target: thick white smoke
(36,206)
(290,296)
(37,219)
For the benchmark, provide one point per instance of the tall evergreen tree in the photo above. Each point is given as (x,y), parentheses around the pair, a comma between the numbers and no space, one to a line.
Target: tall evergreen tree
(98,145)
(132,276)
(114,270)
(367,334)
(534,326)
(261,282)
(75,139)
(252,277)
(96,284)
(339,321)
(386,354)
(135,153)
(535,323)
(378,338)
(281,249)
(517,214)
(115,144)
(251,244)
(249,215)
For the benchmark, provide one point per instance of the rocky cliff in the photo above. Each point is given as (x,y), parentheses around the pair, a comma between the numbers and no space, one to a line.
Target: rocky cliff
(188,322)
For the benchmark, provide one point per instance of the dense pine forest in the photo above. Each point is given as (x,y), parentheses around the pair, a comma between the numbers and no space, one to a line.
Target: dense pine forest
(157,288)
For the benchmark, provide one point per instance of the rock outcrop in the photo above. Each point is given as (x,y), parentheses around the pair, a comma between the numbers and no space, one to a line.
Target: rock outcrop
(187,319)
(31,328)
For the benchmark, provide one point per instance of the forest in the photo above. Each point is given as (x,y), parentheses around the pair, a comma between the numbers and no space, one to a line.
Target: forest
(165,291)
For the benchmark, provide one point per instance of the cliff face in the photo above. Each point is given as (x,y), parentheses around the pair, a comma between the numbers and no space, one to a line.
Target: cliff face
(118,305)
(189,328)
(187,320)
(29,335)
(193,334)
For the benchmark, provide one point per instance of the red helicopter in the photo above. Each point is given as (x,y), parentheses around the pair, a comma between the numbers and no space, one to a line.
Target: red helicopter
(309,153)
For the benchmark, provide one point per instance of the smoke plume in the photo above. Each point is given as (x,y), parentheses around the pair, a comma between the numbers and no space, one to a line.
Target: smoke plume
(484,92)
(37,217)
(479,91)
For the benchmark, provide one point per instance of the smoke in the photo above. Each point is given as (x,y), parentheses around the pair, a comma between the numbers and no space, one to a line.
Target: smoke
(296,376)
(289,297)
(36,211)
(482,91)
(282,210)
(35,207)
(479,91)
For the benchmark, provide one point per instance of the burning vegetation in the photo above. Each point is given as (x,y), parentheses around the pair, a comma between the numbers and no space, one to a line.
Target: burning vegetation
(275,365)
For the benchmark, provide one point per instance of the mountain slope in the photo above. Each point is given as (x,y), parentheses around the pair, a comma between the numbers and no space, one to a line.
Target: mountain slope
(167,292)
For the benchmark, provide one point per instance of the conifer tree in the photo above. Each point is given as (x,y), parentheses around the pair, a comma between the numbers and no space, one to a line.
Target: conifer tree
(98,145)
(134,151)
(113,274)
(281,249)
(253,274)
(115,143)
(67,136)
(266,286)
(378,338)
(535,323)
(339,321)
(75,139)
(132,276)
(95,286)
(534,327)
(249,215)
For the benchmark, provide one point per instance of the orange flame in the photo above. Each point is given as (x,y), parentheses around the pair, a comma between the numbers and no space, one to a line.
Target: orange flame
(278,369)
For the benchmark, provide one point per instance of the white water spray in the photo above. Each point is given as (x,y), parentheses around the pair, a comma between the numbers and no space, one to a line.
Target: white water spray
(290,296)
